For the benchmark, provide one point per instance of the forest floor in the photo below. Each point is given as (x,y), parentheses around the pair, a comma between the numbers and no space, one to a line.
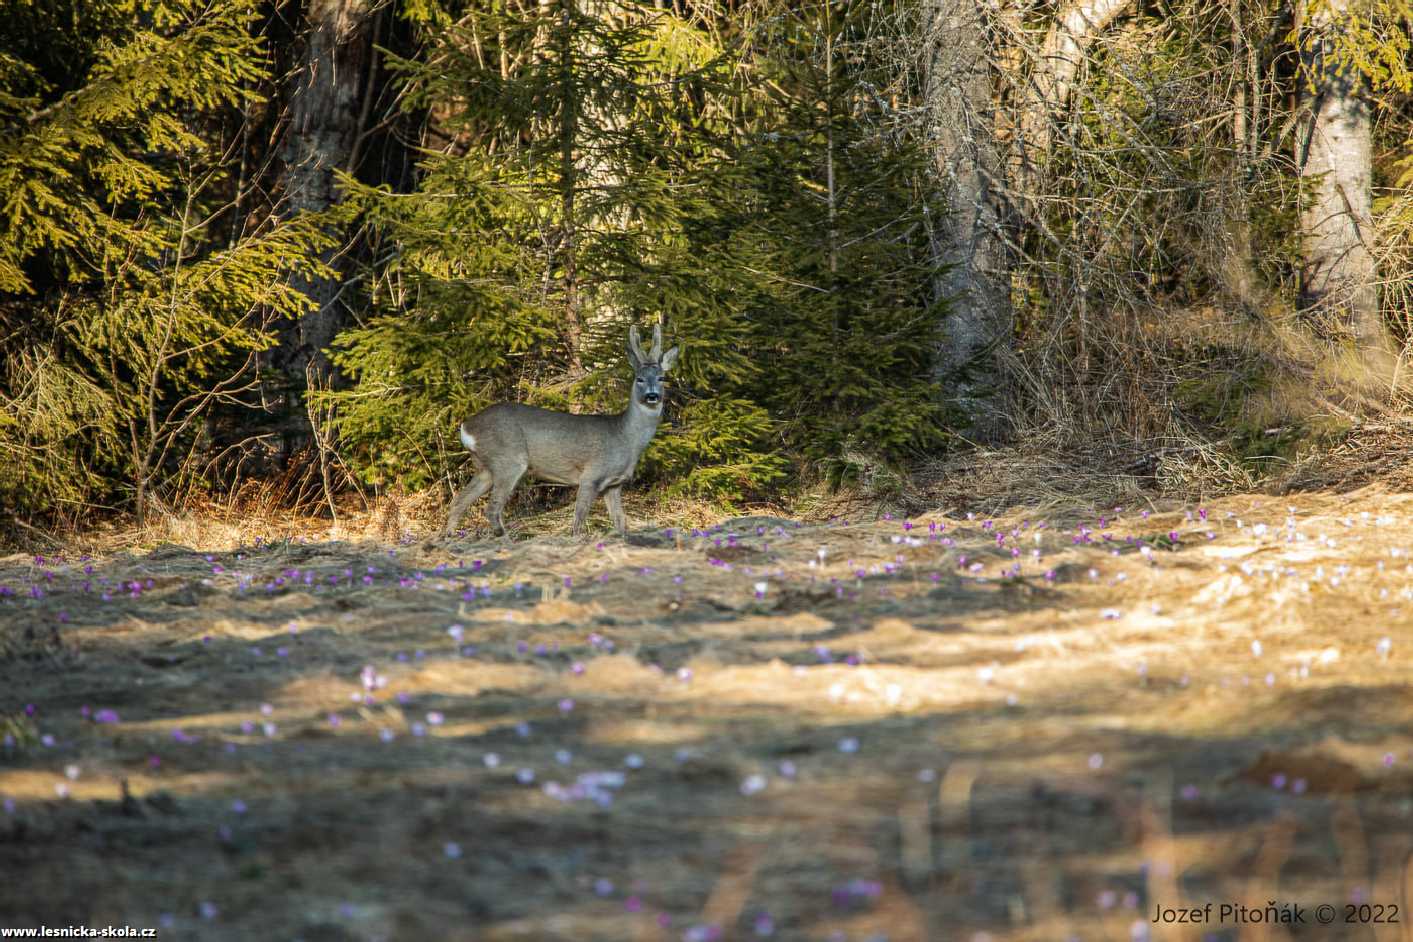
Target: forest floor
(859,729)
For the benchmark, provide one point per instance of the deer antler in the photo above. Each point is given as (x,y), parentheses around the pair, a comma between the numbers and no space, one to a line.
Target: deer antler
(657,344)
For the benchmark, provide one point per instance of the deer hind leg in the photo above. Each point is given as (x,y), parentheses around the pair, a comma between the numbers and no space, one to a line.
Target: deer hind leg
(465,497)
(505,479)
(613,498)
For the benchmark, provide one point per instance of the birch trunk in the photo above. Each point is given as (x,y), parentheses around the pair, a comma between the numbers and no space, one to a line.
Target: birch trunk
(1338,278)
(1052,78)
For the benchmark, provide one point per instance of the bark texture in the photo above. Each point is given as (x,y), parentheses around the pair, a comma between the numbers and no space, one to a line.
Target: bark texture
(326,115)
(969,239)
(1338,279)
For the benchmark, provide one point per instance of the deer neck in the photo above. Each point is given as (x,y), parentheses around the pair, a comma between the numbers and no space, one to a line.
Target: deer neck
(638,423)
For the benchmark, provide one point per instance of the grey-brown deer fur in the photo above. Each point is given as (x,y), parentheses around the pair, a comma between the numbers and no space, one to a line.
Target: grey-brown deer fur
(596,452)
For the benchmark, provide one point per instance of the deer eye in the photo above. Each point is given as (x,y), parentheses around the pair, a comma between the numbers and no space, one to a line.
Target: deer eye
(641,381)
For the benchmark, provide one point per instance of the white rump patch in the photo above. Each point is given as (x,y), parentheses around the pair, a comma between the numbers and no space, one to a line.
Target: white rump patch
(468,439)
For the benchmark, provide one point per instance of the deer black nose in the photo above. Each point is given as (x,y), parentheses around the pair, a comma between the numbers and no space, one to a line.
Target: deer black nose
(652,398)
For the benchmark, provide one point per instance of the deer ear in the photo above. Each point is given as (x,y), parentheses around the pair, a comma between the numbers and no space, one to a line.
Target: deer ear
(669,358)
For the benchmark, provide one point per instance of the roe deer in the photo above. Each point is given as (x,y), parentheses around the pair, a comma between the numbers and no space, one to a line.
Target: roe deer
(596,452)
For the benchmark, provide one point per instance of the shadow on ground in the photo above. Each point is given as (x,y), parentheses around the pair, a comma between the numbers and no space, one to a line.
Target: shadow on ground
(931,729)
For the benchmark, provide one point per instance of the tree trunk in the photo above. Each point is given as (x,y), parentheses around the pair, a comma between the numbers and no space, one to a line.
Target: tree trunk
(326,113)
(568,184)
(969,240)
(1052,79)
(1338,277)
(1238,278)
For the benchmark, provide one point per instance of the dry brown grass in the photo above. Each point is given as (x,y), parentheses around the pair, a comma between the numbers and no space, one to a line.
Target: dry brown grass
(1024,757)
(1366,453)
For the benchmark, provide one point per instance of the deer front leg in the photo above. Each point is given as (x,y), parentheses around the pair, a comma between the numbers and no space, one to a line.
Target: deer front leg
(613,498)
(588,491)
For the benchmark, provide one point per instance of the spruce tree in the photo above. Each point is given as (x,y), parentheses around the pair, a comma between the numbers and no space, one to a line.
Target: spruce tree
(550,221)
(129,310)
(606,165)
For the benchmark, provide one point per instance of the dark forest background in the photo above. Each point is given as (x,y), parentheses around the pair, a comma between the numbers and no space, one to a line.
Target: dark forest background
(252,241)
